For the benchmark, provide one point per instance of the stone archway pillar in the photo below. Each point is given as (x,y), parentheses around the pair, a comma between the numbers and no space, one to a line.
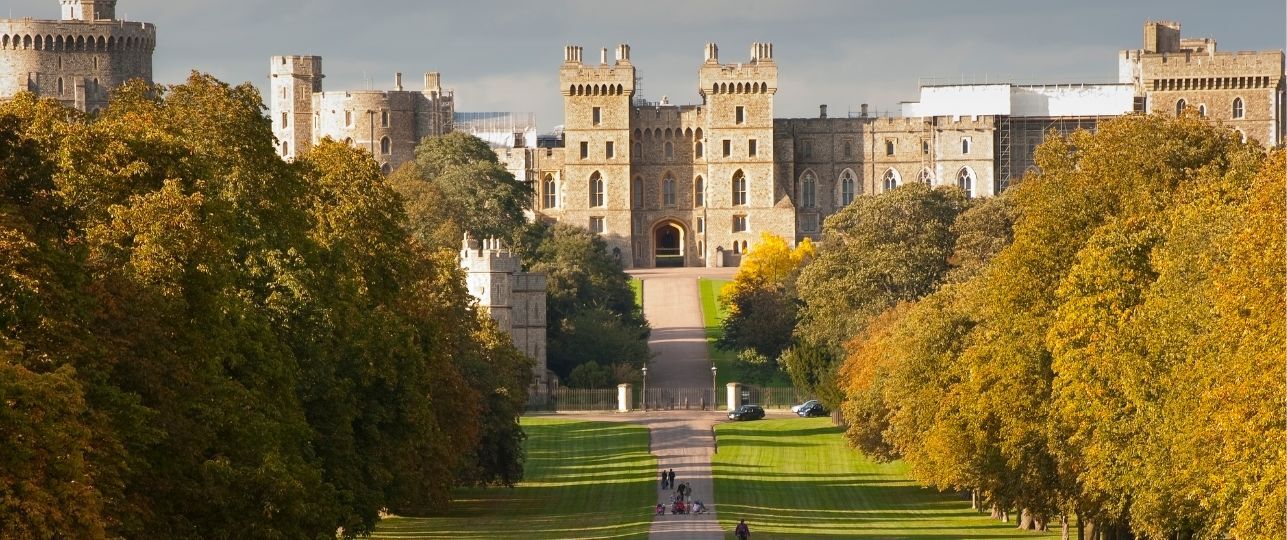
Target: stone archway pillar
(625,397)
(734,396)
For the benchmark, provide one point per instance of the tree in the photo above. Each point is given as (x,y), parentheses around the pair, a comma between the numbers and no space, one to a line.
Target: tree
(761,299)
(457,177)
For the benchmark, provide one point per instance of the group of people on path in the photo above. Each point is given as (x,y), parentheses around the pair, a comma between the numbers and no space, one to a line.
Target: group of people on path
(680,506)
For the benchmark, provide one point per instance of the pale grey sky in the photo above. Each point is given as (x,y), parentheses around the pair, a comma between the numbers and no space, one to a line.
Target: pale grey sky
(504,56)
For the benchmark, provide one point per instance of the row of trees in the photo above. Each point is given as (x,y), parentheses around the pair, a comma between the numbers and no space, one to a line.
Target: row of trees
(597,336)
(201,340)
(1103,345)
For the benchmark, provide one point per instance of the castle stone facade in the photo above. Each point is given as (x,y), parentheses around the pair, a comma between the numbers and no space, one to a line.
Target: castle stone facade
(388,123)
(696,185)
(77,60)
(515,299)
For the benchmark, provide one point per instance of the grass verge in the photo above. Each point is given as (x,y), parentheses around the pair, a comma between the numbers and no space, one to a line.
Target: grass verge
(584,480)
(636,285)
(713,313)
(796,478)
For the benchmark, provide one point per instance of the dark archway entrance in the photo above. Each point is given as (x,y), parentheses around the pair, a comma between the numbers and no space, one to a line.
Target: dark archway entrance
(668,245)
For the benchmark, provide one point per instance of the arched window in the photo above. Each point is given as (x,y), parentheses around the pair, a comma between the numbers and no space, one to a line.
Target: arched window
(550,190)
(697,150)
(386,146)
(926,177)
(348,141)
(386,169)
(965,145)
(847,184)
(808,190)
(965,181)
(596,190)
(890,180)
(1237,107)
(739,189)
(1179,108)
(636,192)
(1202,111)
(668,192)
(669,150)
(60,86)
(285,149)
(638,150)
(699,192)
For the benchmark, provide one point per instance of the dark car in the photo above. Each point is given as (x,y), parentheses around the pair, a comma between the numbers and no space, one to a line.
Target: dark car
(812,409)
(747,412)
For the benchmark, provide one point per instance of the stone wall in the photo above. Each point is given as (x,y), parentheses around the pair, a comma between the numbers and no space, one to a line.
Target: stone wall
(76,62)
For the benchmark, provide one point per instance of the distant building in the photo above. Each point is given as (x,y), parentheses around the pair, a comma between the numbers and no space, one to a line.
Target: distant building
(696,185)
(77,60)
(515,299)
(388,123)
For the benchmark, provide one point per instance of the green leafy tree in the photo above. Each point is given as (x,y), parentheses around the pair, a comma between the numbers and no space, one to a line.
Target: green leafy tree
(458,185)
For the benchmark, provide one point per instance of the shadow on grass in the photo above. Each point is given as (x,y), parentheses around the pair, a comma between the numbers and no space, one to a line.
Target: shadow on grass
(583,480)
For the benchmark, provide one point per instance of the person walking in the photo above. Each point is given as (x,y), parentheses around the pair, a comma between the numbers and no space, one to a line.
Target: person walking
(663,479)
(672,478)
(742,532)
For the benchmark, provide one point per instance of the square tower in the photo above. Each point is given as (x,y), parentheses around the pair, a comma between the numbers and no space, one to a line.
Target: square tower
(596,180)
(88,10)
(294,80)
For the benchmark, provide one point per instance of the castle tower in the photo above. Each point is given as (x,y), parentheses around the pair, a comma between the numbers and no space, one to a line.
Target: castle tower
(743,199)
(294,80)
(597,107)
(88,10)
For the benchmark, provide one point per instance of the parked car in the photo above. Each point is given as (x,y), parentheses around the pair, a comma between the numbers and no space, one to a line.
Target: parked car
(814,409)
(747,412)
(796,408)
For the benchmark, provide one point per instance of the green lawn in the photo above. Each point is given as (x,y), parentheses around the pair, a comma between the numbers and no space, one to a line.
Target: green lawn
(584,480)
(636,285)
(796,478)
(713,313)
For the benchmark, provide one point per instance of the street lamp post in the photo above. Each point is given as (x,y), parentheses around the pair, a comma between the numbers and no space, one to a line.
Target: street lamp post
(714,389)
(645,388)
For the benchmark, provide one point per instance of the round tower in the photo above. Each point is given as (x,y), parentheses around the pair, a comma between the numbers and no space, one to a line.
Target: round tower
(79,59)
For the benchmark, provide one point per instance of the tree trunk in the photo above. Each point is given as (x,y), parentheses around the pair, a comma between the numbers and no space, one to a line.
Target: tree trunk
(1025,520)
(1005,515)
(974,500)
(1063,526)
(996,512)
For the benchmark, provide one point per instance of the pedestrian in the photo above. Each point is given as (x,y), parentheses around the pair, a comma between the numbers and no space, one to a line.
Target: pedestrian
(672,478)
(663,479)
(742,532)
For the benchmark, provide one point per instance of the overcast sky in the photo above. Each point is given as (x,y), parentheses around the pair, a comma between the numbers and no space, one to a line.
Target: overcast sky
(504,56)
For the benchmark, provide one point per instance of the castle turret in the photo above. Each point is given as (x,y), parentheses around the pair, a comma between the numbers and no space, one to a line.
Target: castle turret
(88,10)
(294,80)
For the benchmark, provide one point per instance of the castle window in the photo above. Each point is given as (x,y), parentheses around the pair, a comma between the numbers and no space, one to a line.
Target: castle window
(750,148)
(926,177)
(739,189)
(636,192)
(384,118)
(669,150)
(348,118)
(608,150)
(638,152)
(550,190)
(699,192)
(596,225)
(924,148)
(60,86)
(285,149)
(849,148)
(283,92)
(808,190)
(386,146)
(1179,108)
(806,149)
(809,222)
(965,145)
(965,181)
(739,223)
(1237,107)
(585,150)
(285,116)
(668,192)
(889,147)
(847,184)
(740,115)
(697,150)
(701,225)
(1202,111)
(387,169)
(890,180)
(728,148)
(596,115)
(596,190)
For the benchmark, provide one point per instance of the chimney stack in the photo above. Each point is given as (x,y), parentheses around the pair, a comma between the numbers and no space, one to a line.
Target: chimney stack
(712,53)
(623,54)
(433,82)
(397,81)
(822,111)
(572,54)
(864,110)
(603,56)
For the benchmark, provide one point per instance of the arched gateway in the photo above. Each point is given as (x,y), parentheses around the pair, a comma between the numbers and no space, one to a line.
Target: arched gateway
(668,244)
